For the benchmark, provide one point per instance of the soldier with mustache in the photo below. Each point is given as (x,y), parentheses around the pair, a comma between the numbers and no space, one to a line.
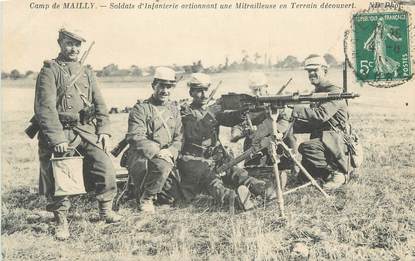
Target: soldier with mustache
(155,138)
(202,151)
(324,155)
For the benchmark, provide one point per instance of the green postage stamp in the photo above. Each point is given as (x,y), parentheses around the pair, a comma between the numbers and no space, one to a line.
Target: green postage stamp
(382,46)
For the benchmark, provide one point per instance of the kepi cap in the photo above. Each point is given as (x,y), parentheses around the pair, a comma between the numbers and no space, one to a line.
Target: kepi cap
(257,80)
(199,81)
(70,34)
(314,62)
(165,75)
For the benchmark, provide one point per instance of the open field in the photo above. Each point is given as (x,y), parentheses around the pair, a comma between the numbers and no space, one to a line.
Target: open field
(371,218)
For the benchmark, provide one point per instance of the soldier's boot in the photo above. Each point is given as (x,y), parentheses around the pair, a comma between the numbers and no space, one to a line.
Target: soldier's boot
(259,187)
(62,226)
(147,205)
(244,198)
(336,180)
(107,214)
(256,187)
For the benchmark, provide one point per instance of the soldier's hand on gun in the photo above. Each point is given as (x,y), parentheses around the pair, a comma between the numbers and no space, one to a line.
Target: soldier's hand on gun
(61,148)
(104,139)
(214,108)
(166,155)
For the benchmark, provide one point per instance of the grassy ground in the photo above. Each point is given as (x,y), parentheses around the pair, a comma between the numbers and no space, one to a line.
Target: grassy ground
(371,218)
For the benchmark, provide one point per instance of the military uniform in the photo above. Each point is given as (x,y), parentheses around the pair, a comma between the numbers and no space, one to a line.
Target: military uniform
(57,110)
(147,135)
(201,133)
(326,150)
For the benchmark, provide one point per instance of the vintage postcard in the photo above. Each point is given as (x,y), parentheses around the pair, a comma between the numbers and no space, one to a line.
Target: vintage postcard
(213,130)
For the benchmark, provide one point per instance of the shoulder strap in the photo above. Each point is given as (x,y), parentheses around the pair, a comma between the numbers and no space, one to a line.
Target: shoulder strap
(84,98)
(72,81)
(163,121)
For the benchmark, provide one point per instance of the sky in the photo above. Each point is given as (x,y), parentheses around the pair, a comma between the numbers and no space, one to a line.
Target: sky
(165,37)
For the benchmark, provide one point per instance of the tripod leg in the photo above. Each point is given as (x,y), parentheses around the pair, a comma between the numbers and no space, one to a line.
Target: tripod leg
(306,173)
(275,160)
(120,195)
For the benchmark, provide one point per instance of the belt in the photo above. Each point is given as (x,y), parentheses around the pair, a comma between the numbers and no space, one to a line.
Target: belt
(68,125)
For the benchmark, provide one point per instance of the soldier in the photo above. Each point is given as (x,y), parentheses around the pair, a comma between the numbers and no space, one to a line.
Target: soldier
(324,155)
(202,147)
(68,120)
(155,138)
(259,87)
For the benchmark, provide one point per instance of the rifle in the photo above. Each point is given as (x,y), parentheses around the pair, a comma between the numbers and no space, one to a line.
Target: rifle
(119,148)
(212,94)
(284,86)
(34,126)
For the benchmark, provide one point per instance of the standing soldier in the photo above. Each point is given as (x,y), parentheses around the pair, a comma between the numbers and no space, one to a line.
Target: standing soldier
(202,147)
(73,117)
(155,138)
(324,155)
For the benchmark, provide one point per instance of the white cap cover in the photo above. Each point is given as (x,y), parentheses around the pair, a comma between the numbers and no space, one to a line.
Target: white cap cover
(165,74)
(199,80)
(314,62)
(257,80)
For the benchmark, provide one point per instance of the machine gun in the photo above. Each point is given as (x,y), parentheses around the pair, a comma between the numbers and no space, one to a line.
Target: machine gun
(266,136)
(246,102)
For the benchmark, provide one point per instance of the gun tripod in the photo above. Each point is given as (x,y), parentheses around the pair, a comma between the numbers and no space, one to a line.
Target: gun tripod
(275,142)
(268,137)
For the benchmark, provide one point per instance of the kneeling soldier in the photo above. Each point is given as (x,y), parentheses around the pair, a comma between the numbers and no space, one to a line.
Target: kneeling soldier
(201,142)
(61,112)
(155,138)
(324,155)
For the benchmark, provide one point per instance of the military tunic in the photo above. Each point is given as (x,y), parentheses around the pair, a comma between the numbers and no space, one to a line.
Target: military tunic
(326,149)
(201,132)
(147,135)
(57,110)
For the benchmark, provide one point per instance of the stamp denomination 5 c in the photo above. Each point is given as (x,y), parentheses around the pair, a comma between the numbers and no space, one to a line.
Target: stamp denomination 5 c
(382,46)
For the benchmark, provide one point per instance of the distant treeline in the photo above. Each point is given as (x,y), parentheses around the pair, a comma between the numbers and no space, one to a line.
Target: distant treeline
(246,63)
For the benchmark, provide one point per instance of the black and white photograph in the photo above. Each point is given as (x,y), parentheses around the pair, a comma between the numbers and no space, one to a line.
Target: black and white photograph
(207,130)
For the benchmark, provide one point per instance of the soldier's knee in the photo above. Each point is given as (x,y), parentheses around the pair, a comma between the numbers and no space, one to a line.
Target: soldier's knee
(238,172)
(161,166)
(303,147)
(106,167)
(308,147)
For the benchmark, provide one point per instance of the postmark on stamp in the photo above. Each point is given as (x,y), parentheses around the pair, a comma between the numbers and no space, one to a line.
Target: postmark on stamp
(382,49)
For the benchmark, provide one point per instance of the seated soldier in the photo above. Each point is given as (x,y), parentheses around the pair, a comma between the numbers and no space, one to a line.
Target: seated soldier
(258,85)
(202,146)
(155,138)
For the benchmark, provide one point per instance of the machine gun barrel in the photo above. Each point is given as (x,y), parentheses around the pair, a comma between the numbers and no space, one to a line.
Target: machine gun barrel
(234,101)
(314,97)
